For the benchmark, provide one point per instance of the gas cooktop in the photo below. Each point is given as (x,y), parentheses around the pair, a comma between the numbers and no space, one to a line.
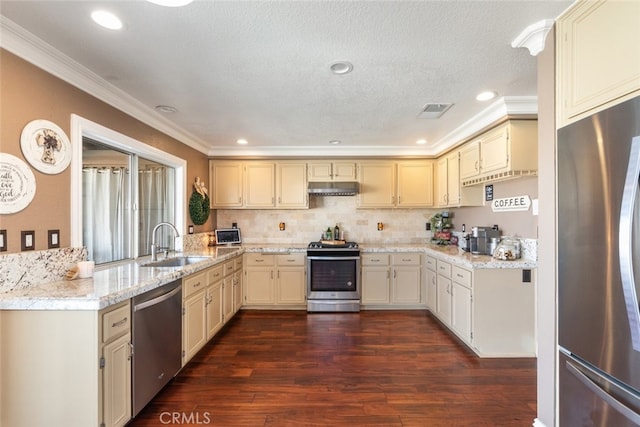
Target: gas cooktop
(332,245)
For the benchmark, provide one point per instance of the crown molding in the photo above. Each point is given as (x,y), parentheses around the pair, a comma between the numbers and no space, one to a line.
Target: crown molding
(533,36)
(317,151)
(20,42)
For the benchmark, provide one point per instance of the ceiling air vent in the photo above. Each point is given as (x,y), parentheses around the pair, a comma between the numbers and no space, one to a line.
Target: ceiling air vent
(433,111)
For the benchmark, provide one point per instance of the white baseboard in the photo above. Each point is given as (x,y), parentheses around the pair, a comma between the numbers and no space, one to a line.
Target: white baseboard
(538,423)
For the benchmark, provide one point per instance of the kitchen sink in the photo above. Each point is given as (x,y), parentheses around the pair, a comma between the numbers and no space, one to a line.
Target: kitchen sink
(180,261)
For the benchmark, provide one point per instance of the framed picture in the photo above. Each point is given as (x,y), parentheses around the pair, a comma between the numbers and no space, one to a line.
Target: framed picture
(3,240)
(54,239)
(27,240)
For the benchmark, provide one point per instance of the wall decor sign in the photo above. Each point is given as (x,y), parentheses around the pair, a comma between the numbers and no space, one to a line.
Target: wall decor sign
(17,184)
(45,146)
(511,204)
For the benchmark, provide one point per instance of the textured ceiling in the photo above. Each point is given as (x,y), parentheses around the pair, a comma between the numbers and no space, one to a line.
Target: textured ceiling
(260,70)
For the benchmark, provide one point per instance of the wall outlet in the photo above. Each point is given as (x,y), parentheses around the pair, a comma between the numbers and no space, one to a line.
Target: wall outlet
(427,226)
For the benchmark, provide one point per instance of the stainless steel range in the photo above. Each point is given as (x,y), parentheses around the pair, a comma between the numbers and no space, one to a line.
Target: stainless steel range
(333,277)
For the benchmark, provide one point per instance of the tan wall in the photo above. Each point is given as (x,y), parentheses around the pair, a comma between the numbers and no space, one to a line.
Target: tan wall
(28,93)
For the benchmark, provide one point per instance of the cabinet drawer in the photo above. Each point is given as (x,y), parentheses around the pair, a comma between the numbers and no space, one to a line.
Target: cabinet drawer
(375,259)
(193,283)
(228,267)
(116,322)
(443,268)
(291,259)
(430,262)
(462,276)
(405,259)
(214,274)
(257,259)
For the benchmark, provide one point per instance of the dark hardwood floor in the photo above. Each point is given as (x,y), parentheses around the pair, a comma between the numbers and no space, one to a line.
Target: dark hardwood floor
(373,368)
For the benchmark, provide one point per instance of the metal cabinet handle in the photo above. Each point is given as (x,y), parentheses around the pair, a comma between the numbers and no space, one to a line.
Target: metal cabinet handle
(119,322)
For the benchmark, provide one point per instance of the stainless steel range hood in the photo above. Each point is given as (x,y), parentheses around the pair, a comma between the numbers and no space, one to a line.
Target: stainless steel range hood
(333,188)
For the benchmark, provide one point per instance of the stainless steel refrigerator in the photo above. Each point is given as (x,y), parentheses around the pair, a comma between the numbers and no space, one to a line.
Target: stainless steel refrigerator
(598,165)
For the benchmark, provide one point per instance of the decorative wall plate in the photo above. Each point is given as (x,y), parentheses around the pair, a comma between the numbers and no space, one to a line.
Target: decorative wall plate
(17,184)
(45,146)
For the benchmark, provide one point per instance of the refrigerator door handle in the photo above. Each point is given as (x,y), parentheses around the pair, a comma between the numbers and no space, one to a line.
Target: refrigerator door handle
(625,240)
(629,413)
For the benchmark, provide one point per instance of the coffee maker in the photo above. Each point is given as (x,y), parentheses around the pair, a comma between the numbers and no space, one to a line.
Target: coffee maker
(482,240)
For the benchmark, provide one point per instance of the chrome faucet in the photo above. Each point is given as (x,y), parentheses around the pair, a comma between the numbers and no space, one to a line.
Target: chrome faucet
(154,255)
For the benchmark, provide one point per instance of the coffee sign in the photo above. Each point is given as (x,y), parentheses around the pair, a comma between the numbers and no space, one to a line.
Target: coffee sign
(17,184)
(510,204)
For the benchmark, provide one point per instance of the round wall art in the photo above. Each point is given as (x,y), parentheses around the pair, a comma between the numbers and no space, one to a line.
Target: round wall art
(45,146)
(17,184)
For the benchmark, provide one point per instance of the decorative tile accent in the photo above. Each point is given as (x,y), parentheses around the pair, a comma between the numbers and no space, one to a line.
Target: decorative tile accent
(24,269)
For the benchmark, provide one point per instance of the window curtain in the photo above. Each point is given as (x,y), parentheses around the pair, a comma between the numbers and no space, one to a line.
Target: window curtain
(106,216)
(156,201)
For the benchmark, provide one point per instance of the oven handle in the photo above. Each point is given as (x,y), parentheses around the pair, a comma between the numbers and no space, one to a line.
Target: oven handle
(333,258)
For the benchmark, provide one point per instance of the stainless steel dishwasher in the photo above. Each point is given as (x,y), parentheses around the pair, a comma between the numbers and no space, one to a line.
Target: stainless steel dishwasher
(157,341)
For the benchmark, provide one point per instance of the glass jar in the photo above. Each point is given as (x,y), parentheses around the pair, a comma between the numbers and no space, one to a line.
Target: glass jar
(508,249)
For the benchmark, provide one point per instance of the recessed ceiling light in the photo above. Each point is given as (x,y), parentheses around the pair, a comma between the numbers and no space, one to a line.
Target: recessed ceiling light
(421,141)
(486,96)
(242,141)
(335,142)
(106,19)
(170,3)
(166,109)
(341,67)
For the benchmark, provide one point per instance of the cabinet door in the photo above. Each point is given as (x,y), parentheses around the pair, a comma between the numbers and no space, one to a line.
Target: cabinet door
(406,285)
(461,311)
(291,185)
(432,290)
(226,184)
(442,182)
(344,171)
(291,285)
(259,286)
(117,382)
(259,185)
(453,179)
(494,150)
(415,184)
(375,285)
(443,306)
(237,291)
(227,298)
(377,185)
(470,160)
(215,319)
(598,57)
(194,335)
(319,171)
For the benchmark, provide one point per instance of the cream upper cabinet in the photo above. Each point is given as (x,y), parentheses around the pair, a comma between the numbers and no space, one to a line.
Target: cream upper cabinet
(389,184)
(450,191)
(291,185)
(226,183)
(470,160)
(415,184)
(598,58)
(332,171)
(377,184)
(509,150)
(259,190)
(441,182)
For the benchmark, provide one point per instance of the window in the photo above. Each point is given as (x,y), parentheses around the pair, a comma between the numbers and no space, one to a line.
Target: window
(114,210)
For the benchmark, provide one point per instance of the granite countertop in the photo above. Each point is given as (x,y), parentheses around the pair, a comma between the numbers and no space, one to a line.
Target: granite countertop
(118,282)
(109,285)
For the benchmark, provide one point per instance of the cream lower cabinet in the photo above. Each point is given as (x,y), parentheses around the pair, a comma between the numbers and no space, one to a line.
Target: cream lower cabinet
(194,314)
(66,367)
(391,279)
(214,302)
(275,280)
(491,310)
(237,283)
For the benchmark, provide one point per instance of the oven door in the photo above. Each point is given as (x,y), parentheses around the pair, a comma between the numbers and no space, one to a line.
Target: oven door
(333,277)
